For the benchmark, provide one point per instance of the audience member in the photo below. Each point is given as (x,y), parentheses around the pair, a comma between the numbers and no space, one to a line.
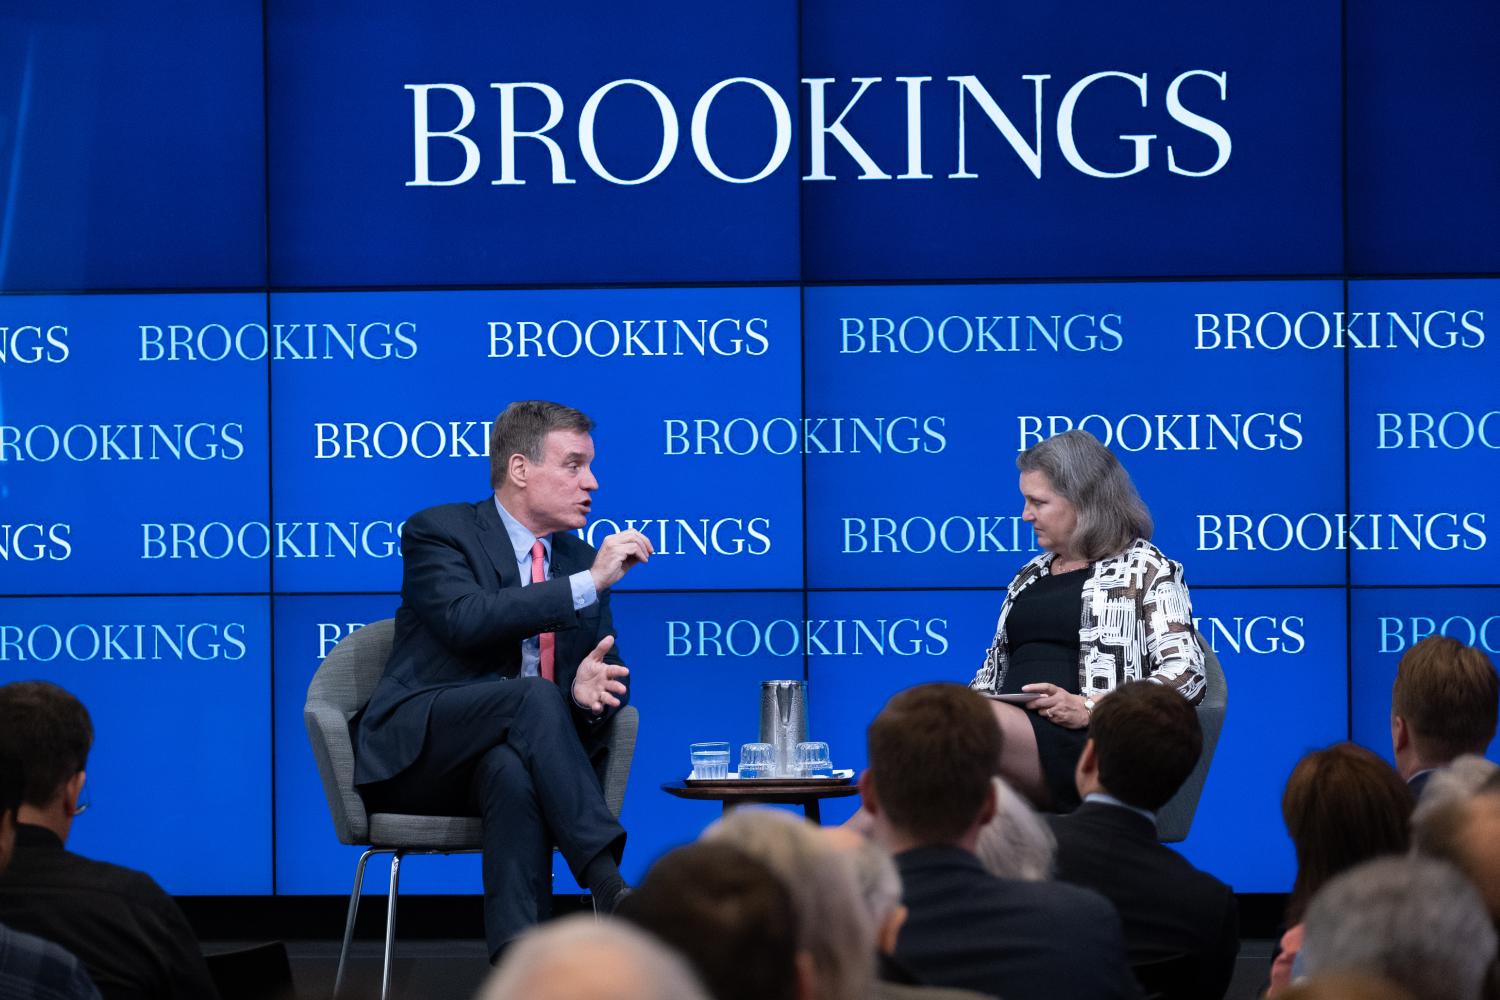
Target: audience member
(1454,783)
(584,958)
(1016,843)
(1416,921)
(30,968)
(1342,805)
(831,924)
(1443,705)
(879,885)
(1346,986)
(729,915)
(1464,831)
(130,935)
(1144,741)
(932,752)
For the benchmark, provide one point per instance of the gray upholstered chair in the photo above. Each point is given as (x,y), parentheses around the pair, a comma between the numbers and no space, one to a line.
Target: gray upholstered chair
(1175,819)
(341,687)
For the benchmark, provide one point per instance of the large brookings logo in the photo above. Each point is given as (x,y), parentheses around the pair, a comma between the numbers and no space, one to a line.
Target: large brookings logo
(446,114)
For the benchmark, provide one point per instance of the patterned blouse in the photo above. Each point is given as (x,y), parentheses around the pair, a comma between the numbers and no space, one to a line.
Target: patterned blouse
(1136,623)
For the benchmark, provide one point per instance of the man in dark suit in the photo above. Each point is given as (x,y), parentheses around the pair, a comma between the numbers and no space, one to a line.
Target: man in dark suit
(932,752)
(1181,924)
(1443,705)
(504,670)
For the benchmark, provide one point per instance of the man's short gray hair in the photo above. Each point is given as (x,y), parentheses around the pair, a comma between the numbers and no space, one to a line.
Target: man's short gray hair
(1111,513)
(877,878)
(1416,921)
(581,958)
(1016,843)
(833,925)
(1455,783)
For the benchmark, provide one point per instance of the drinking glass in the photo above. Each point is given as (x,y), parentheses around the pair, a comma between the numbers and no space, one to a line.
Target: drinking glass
(812,760)
(710,760)
(757,760)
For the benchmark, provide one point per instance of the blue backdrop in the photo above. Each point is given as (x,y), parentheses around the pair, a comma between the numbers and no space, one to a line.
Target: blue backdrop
(819,270)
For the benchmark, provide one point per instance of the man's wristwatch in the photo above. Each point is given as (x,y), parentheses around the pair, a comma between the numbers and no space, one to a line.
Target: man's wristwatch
(1089,703)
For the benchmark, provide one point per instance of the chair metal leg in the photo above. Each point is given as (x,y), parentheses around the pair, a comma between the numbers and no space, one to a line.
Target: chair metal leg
(390,926)
(359,880)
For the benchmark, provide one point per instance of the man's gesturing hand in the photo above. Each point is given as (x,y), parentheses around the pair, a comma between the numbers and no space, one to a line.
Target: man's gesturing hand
(597,683)
(618,553)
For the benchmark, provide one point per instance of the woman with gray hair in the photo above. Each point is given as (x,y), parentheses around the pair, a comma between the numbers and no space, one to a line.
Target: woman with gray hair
(1099,607)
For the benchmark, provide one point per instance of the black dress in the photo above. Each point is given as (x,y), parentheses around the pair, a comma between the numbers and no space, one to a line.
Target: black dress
(1042,639)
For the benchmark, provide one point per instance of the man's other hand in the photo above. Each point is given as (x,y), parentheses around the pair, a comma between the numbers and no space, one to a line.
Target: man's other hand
(617,554)
(597,684)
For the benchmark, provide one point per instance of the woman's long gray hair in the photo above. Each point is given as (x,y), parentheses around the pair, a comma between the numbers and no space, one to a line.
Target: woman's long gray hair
(1111,513)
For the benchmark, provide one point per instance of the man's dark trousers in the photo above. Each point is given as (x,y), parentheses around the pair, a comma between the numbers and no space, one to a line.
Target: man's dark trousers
(506,751)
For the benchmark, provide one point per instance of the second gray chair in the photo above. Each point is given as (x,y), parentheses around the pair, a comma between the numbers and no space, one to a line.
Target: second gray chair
(1175,819)
(339,690)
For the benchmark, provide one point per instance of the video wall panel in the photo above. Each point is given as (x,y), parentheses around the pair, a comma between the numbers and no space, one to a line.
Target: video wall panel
(178,690)
(711,477)
(132,146)
(521,143)
(258,309)
(133,451)
(1388,622)
(919,395)
(1424,431)
(1078,139)
(1422,141)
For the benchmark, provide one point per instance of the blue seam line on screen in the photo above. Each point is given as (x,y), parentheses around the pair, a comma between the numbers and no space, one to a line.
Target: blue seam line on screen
(996,588)
(1344,264)
(265,110)
(21,127)
(1153,279)
(802,381)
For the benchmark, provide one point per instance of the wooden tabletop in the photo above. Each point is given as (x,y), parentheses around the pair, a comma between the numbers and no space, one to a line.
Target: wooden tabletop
(783,794)
(807,794)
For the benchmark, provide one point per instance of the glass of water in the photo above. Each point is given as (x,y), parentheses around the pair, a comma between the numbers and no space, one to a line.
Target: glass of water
(812,760)
(710,760)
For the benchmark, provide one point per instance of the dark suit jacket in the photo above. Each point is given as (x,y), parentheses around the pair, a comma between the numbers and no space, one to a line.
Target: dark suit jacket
(462,618)
(1168,907)
(1017,940)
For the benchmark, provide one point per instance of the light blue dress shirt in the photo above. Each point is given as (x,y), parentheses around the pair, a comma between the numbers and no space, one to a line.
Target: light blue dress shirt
(582,582)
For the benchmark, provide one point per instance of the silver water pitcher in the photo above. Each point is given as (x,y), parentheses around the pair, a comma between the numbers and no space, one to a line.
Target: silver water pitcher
(783,721)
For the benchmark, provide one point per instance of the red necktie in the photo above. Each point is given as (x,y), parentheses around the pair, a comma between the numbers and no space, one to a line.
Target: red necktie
(538,575)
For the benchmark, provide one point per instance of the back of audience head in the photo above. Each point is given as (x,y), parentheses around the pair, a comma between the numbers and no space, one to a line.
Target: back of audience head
(1342,805)
(878,882)
(581,958)
(1016,843)
(1444,704)
(1345,986)
(1144,741)
(1415,921)
(49,732)
(1464,830)
(832,926)
(932,751)
(1454,783)
(728,914)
